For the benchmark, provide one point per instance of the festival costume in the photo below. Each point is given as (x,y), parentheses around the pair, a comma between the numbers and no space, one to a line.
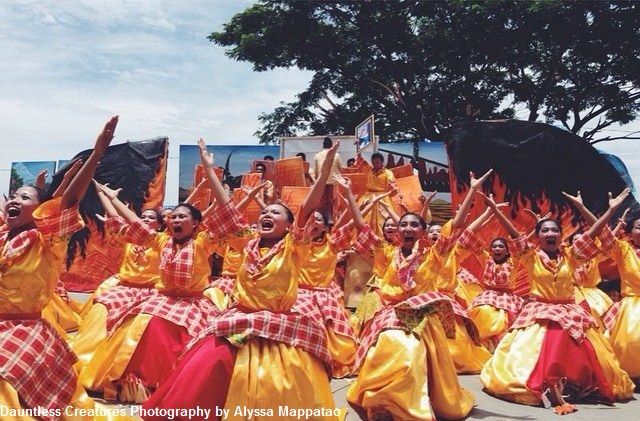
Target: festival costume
(36,366)
(587,278)
(497,306)
(134,283)
(623,319)
(405,368)
(268,350)
(467,351)
(148,329)
(61,311)
(553,338)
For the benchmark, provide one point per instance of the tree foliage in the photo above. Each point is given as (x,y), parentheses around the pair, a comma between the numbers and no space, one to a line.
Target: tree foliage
(421,66)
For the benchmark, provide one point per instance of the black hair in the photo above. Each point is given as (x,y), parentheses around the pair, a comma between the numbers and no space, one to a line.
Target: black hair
(325,217)
(43,195)
(268,158)
(542,221)
(423,224)
(629,224)
(77,243)
(302,155)
(195,212)
(609,285)
(502,240)
(290,217)
(350,160)
(377,155)
(260,164)
(327,142)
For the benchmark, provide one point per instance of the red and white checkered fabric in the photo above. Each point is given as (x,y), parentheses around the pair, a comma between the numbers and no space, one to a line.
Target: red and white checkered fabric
(573,318)
(292,329)
(37,363)
(61,290)
(387,319)
(176,266)
(466,277)
(189,312)
(225,284)
(224,220)
(323,307)
(120,301)
(610,318)
(61,224)
(503,300)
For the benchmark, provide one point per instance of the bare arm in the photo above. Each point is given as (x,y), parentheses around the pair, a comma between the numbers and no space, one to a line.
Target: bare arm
(315,195)
(216,186)
(124,211)
(621,222)
(196,191)
(576,200)
(67,177)
(504,221)
(614,204)
(345,185)
(106,202)
(475,184)
(78,186)
(250,195)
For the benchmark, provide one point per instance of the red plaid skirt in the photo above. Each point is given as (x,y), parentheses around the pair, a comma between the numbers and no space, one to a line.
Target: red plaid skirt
(610,318)
(503,300)
(395,317)
(190,312)
(297,330)
(573,318)
(37,363)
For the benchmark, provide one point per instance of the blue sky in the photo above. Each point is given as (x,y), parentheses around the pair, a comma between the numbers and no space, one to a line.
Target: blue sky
(66,66)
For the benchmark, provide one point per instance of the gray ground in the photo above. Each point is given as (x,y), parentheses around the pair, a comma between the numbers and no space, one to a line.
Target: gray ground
(488,408)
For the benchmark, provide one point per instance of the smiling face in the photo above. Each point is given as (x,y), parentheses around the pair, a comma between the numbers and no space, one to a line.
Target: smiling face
(499,250)
(20,206)
(549,236)
(411,229)
(150,217)
(273,222)
(183,225)
(389,229)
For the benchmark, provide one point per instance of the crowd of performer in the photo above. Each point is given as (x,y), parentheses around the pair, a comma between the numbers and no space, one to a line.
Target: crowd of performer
(270,329)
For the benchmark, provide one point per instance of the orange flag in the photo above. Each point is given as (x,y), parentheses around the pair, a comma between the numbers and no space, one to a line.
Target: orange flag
(293,197)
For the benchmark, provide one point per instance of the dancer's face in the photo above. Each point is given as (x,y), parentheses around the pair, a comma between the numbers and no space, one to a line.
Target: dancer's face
(20,206)
(411,230)
(549,236)
(182,223)
(635,232)
(434,233)
(389,229)
(499,251)
(273,222)
(319,226)
(150,218)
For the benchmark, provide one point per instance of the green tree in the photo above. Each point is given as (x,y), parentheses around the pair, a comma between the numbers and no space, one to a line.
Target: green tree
(421,66)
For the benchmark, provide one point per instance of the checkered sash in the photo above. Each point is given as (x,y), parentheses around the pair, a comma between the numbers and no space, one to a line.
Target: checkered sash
(610,318)
(225,284)
(503,300)
(466,277)
(62,291)
(293,329)
(177,265)
(37,363)
(402,316)
(573,318)
(323,307)
(120,302)
(224,221)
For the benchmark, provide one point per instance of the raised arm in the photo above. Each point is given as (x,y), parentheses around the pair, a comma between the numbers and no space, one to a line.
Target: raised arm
(475,184)
(614,204)
(621,222)
(345,185)
(425,212)
(312,200)
(504,221)
(196,191)
(109,209)
(576,200)
(67,177)
(216,186)
(78,185)
(122,209)
(251,194)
